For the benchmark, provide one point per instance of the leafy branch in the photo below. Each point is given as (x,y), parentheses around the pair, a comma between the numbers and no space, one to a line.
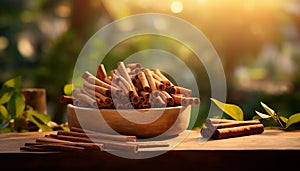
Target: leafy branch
(284,123)
(236,113)
(15,116)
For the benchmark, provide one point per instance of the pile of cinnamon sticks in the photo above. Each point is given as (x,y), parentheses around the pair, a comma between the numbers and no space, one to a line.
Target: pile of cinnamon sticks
(79,140)
(129,86)
(225,128)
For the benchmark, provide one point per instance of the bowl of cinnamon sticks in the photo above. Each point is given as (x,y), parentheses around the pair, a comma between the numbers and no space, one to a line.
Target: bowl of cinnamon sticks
(131,100)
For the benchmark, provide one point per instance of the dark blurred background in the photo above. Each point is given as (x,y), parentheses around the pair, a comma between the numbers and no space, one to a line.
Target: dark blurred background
(257,41)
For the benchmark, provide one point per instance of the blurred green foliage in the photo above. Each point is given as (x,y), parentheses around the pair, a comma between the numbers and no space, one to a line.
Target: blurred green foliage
(239,30)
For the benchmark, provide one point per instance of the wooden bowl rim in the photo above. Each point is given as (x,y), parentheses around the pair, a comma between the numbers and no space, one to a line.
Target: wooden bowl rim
(146,109)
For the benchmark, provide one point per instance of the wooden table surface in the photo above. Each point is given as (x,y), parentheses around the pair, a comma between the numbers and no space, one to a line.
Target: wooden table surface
(193,153)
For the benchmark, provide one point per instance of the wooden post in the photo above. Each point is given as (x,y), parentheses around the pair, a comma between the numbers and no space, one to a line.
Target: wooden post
(36,98)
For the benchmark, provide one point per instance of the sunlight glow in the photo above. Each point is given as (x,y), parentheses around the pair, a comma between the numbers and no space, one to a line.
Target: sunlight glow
(25,47)
(176,7)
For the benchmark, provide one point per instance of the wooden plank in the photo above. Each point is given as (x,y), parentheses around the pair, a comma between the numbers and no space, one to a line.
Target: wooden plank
(268,140)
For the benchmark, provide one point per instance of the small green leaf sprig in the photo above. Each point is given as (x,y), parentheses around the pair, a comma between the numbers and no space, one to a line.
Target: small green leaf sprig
(284,122)
(236,113)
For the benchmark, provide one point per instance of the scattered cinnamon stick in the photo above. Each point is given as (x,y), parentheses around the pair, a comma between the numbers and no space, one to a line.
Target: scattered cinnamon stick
(52,147)
(86,133)
(221,128)
(79,140)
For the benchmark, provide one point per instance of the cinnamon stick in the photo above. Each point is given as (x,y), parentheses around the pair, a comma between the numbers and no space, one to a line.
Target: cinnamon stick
(150,79)
(144,81)
(220,128)
(234,124)
(66,99)
(210,121)
(87,146)
(52,147)
(101,72)
(94,80)
(86,133)
(108,144)
(82,99)
(97,88)
(239,131)
(165,80)
(181,90)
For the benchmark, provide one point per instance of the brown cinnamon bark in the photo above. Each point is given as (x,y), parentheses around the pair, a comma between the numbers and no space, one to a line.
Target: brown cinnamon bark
(144,81)
(133,66)
(234,124)
(181,90)
(53,147)
(150,79)
(87,146)
(231,128)
(166,81)
(239,131)
(167,98)
(159,85)
(66,99)
(87,133)
(129,88)
(99,89)
(108,144)
(82,99)
(101,72)
(94,80)
(210,121)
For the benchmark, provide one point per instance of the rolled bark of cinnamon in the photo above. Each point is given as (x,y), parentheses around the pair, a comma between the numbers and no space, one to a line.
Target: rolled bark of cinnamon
(108,144)
(167,98)
(88,146)
(165,80)
(86,133)
(96,88)
(238,131)
(159,85)
(234,124)
(144,81)
(133,66)
(222,128)
(66,99)
(210,121)
(82,99)
(150,79)
(101,72)
(53,147)
(94,80)
(181,90)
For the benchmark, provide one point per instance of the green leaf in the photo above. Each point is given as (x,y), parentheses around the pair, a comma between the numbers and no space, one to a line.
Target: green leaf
(270,111)
(3,113)
(232,110)
(273,114)
(293,119)
(263,116)
(6,93)
(16,105)
(68,88)
(14,82)
(283,119)
(39,119)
